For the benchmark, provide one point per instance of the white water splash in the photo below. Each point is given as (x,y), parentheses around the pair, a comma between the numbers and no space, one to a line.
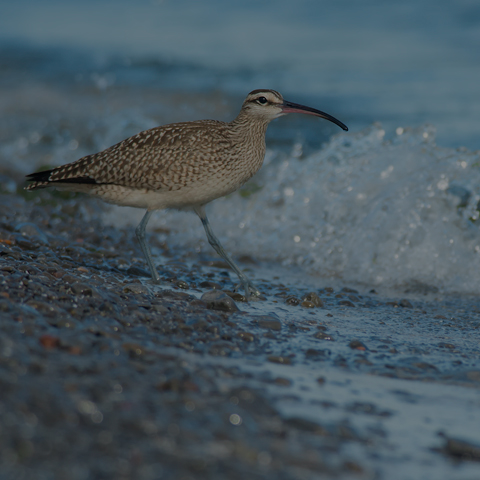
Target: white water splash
(362,209)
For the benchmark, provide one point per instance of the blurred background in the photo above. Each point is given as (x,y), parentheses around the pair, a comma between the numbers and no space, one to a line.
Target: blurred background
(85,74)
(77,77)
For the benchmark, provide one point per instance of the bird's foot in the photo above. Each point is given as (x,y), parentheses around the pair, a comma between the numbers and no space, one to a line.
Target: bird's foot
(251,293)
(156,279)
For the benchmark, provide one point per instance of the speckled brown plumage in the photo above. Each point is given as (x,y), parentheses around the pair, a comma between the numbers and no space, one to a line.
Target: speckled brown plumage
(207,159)
(181,165)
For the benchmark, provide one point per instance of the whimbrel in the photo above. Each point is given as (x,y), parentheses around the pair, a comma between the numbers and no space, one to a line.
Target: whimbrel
(181,166)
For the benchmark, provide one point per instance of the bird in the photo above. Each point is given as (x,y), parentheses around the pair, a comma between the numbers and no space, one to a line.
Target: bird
(180,166)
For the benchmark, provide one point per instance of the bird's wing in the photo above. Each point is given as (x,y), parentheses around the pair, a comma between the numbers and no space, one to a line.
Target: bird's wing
(171,156)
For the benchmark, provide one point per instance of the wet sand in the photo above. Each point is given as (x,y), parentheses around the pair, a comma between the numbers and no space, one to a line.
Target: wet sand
(104,375)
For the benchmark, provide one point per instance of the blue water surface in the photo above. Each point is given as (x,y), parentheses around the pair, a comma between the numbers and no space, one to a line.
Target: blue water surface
(398,63)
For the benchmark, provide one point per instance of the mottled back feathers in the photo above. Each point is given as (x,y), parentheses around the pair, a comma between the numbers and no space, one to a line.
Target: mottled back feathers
(201,154)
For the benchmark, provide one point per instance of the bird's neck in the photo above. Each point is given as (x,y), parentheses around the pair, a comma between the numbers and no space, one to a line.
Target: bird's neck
(247,126)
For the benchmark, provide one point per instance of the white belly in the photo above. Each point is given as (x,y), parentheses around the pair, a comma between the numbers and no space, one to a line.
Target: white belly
(160,199)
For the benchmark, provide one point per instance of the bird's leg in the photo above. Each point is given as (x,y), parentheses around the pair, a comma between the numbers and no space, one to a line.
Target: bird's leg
(250,290)
(140,232)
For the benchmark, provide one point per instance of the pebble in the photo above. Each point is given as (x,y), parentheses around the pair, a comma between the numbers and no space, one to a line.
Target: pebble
(138,272)
(136,288)
(461,449)
(70,278)
(279,359)
(78,288)
(210,285)
(323,336)
(405,303)
(313,300)
(292,300)
(268,322)
(247,336)
(239,297)
(218,300)
(49,341)
(25,244)
(357,345)
(31,230)
(307,304)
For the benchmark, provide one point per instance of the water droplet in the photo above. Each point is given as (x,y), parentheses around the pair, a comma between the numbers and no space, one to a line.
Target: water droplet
(235,419)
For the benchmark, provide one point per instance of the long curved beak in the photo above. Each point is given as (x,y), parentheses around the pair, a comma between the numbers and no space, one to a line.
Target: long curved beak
(289,107)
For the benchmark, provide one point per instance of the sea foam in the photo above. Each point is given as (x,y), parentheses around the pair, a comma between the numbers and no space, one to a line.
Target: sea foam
(362,209)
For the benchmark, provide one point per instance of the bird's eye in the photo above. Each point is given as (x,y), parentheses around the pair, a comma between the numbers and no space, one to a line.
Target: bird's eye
(262,100)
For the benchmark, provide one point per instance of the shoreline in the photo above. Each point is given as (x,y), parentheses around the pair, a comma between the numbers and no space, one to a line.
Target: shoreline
(103,374)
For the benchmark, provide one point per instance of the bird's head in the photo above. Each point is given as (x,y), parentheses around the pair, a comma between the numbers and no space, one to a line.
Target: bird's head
(269,104)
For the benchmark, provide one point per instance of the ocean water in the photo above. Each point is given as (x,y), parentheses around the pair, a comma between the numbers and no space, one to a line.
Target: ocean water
(394,202)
